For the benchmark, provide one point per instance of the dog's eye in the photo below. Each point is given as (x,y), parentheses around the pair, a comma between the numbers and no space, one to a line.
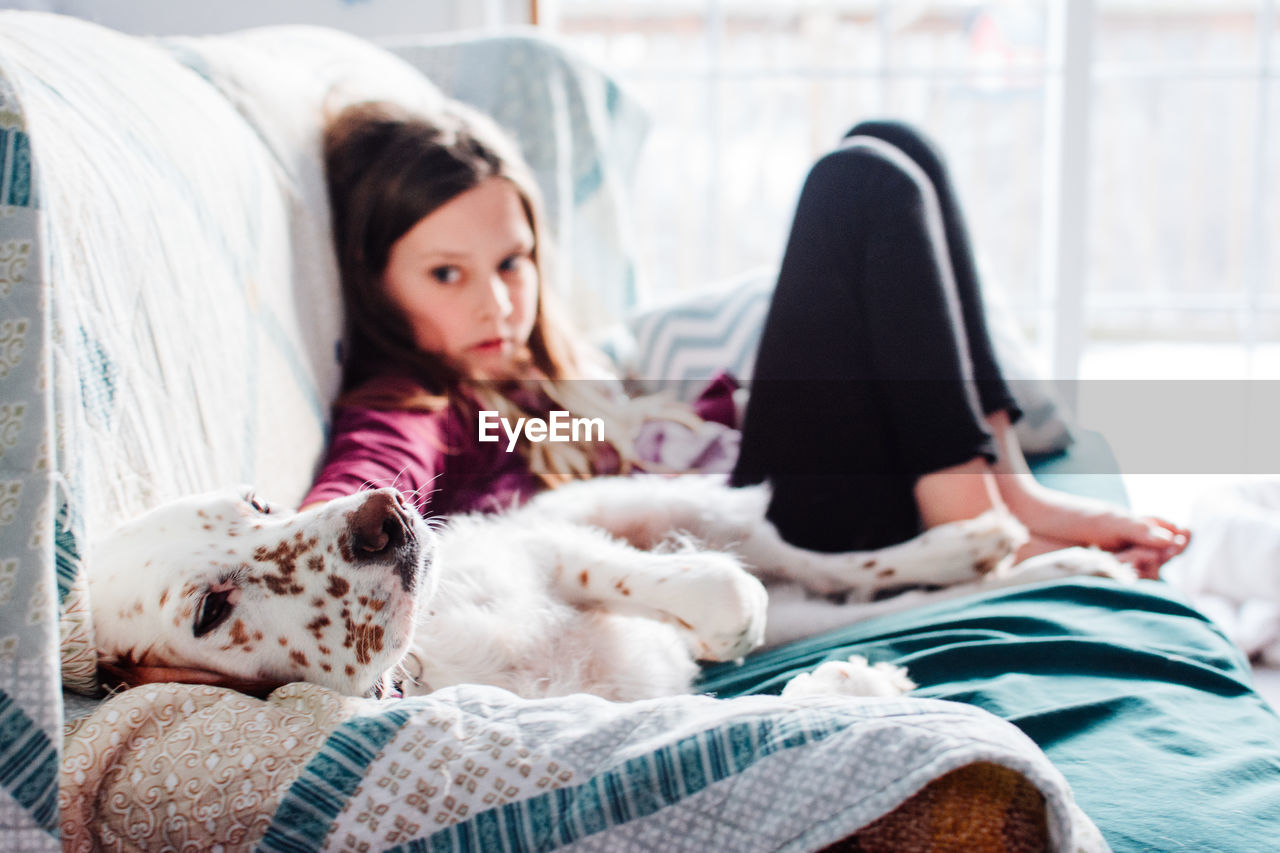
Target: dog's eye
(258,504)
(214,609)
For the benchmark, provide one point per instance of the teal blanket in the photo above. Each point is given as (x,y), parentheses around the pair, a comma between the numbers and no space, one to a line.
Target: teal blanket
(1141,703)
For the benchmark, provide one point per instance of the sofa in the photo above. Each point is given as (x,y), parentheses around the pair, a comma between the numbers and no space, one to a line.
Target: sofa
(169,323)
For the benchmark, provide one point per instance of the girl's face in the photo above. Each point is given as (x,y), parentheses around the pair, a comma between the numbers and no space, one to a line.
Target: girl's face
(465,279)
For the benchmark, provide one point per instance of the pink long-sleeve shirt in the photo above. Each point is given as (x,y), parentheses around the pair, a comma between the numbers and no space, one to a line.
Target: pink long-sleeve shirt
(438,459)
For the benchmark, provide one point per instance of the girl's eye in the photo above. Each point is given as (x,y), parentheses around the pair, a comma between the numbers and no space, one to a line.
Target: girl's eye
(513,262)
(445,275)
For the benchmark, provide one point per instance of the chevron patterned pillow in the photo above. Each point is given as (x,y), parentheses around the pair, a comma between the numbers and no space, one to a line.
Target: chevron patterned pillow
(680,347)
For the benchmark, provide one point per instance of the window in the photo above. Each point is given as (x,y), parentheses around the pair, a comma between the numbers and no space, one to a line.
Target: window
(1158,225)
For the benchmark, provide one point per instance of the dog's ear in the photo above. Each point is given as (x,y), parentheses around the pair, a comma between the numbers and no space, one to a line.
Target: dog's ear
(119,674)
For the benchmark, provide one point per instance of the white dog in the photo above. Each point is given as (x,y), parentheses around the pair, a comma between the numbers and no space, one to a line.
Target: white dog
(609,586)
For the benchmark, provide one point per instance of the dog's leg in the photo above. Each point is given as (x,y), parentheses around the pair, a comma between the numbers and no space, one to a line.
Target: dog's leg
(958,552)
(794,615)
(718,606)
(645,511)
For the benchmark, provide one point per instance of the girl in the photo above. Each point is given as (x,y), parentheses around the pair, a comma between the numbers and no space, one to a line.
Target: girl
(877,408)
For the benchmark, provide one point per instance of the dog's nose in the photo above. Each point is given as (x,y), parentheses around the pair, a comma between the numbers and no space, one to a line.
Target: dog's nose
(379,527)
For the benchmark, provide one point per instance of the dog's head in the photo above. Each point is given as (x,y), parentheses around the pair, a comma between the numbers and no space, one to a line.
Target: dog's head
(225,588)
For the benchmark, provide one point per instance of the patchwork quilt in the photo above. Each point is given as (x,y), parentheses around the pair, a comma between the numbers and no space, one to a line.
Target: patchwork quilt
(477,769)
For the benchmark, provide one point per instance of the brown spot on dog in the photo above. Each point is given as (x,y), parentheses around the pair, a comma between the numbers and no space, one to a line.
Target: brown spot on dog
(207,526)
(869,564)
(351,670)
(344,548)
(886,573)
(285,556)
(164,597)
(317,603)
(316,563)
(621,586)
(317,625)
(326,667)
(584,578)
(364,639)
(298,657)
(324,650)
(282,586)
(239,636)
(986,565)
(257,635)
(338,587)
(376,605)
(283,641)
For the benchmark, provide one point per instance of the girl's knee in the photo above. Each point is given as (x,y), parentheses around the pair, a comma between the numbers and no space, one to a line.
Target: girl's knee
(866,172)
(907,138)
(890,130)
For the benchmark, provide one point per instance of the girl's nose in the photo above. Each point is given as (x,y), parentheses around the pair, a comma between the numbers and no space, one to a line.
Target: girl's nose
(496,299)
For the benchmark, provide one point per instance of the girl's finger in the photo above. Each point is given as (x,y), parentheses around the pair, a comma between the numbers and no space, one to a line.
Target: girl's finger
(1145,561)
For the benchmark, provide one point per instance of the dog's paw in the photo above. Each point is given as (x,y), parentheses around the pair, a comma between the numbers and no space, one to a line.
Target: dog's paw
(852,677)
(962,551)
(1073,562)
(721,607)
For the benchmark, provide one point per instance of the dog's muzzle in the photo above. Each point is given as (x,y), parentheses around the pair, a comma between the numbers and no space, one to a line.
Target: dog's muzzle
(383,532)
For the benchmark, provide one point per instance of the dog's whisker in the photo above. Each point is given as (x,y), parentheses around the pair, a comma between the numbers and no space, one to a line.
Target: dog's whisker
(417,497)
(398,475)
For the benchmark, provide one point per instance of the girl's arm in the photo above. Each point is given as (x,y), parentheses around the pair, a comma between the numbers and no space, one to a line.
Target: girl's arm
(372,448)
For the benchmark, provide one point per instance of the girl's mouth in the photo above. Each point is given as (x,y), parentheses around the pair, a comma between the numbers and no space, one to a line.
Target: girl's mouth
(490,346)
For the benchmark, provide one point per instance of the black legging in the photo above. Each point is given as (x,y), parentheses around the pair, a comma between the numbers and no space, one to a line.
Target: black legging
(875,365)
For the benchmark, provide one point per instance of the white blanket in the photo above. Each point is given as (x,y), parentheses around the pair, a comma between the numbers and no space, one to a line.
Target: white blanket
(1231,570)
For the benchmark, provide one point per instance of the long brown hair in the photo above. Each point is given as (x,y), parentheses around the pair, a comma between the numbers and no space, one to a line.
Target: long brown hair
(387,169)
